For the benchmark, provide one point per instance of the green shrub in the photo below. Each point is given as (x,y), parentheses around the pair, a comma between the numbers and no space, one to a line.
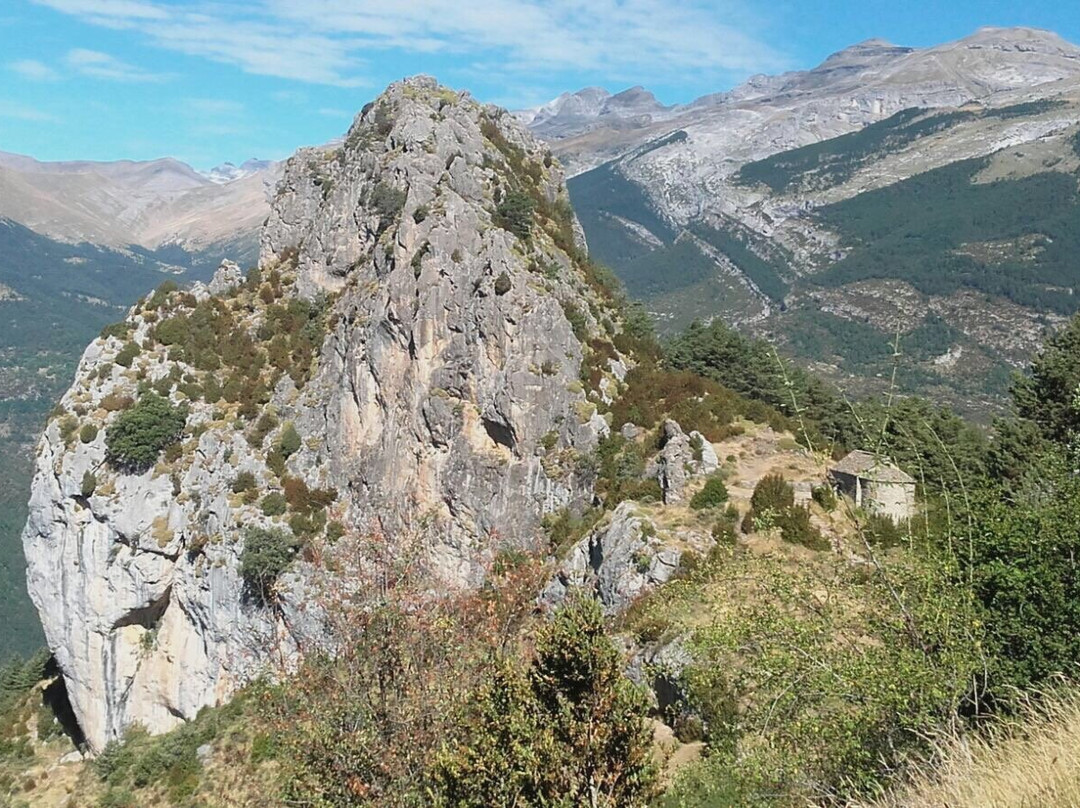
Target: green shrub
(334,531)
(160,295)
(274,504)
(88,433)
(69,425)
(565,528)
(126,355)
(89,484)
(502,284)
(577,320)
(724,528)
(697,447)
(795,527)
(881,531)
(289,442)
(712,495)
(567,729)
(139,434)
(825,496)
(387,201)
(772,496)
(243,482)
(267,553)
(118,798)
(515,214)
(119,330)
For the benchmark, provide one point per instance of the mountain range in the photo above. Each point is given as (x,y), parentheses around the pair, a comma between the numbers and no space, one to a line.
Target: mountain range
(768,205)
(680,202)
(891,193)
(155,204)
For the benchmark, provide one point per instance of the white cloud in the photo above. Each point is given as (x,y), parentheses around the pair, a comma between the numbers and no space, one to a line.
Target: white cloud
(124,11)
(33,70)
(19,112)
(103,66)
(330,112)
(325,41)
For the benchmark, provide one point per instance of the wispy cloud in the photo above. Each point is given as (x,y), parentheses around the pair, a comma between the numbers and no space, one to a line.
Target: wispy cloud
(33,70)
(121,11)
(326,41)
(20,112)
(104,66)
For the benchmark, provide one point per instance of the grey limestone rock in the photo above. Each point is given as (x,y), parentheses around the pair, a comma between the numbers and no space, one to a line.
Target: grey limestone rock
(617,562)
(444,402)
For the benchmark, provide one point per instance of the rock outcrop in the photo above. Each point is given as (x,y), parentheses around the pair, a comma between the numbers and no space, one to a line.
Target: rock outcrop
(617,562)
(681,458)
(405,361)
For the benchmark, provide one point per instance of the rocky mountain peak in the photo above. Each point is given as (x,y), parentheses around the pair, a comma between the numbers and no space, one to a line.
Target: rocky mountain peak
(636,100)
(867,51)
(406,361)
(1030,40)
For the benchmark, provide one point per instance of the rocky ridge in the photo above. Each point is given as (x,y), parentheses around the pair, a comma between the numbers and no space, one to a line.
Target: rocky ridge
(405,361)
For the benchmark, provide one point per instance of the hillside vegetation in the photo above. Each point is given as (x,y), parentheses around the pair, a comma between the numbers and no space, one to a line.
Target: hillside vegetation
(816,663)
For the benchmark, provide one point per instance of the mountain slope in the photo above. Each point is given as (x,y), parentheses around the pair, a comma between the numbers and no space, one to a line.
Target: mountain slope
(826,210)
(151,204)
(54,298)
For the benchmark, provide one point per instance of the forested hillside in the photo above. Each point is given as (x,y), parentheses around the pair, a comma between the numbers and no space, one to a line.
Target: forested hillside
(916,227)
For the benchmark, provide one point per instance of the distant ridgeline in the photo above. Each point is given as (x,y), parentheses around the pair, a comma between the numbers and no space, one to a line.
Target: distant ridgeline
(54,298)
(968,256)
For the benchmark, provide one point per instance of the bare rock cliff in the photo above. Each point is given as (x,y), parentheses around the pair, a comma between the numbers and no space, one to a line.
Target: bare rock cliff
(405,360)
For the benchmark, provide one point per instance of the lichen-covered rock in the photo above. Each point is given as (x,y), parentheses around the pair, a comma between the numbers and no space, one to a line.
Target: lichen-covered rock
(682,457)
(405,362)
(618,561)
(226,278)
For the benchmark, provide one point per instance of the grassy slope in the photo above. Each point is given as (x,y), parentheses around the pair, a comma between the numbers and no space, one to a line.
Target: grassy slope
(68,292)
(1031,762)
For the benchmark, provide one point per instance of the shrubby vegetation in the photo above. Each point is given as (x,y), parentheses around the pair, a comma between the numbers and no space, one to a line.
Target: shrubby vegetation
(442,702)
(712,495)
(135,440)
(773,505)
(267,553)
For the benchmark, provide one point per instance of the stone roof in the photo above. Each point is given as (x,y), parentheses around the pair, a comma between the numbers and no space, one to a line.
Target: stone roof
(870,466)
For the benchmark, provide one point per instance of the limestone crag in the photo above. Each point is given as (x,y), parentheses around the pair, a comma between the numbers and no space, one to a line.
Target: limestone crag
(405,361)
(681,458)
(619,560)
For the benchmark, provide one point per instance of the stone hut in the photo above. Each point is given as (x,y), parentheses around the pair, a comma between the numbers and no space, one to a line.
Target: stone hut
(875,483)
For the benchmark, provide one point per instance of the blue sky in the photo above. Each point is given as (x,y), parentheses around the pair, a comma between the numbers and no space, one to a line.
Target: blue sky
(214,80)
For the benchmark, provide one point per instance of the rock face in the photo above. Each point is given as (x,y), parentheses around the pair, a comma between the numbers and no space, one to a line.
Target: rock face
(617,562)
(681,458)
(432,390)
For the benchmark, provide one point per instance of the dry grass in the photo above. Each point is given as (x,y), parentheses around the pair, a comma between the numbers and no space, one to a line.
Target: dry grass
(1030,763)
